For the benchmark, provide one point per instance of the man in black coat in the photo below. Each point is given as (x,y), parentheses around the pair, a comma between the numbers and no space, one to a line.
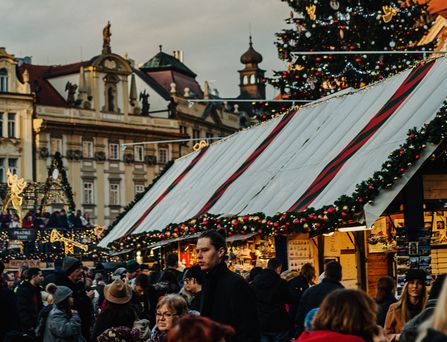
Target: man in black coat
(171,272)
(314,296)
(71,277)
(226,297)
(9,317)
(272,294)
(29,300)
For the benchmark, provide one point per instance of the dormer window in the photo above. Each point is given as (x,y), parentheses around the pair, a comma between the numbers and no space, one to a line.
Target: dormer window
(3,80)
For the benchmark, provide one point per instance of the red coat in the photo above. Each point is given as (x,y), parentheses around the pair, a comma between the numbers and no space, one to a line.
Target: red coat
(327,335)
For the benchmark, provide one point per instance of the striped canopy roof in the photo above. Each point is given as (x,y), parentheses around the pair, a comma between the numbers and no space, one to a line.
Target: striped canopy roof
(305,158)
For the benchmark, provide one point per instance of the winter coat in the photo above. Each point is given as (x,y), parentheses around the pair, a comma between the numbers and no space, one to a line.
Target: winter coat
(228,299)
(272,294)
(9,316)
(326,336)
(157,335)
(384,305)
(82,303)
(297,286)
(60,327)
(312,298)
(29,304)
(394,323)
(410,331)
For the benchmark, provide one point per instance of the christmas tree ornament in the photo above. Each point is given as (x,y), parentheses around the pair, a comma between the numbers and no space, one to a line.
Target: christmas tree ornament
(388,13)
(311,12)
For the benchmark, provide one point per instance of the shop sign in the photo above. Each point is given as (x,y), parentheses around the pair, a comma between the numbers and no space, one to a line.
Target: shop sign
(22,234)
(19,263)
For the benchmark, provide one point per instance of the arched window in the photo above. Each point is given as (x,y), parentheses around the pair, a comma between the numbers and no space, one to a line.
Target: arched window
(245,79)
(110,93)
(3,80)
(252,79)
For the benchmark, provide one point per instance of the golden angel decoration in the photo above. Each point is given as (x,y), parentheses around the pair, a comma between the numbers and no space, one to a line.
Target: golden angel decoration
(16,187)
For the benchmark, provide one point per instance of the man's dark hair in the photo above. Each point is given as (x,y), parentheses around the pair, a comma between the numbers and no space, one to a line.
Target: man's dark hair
(216,239)
(171,260)
(274,263)
(195,273)
(33,271)
(142,280)
(333,271)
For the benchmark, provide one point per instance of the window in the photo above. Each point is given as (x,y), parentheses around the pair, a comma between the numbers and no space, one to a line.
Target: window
(252,79)
(114,194)
(1,124)
(2,170)
(139,153)
(56,145)
(12,165)
(88,193)
(114,151)
(209,135)
(3,80)
(11,125)
(139,188)
(195,134)
(245,79)
(163,155)
(87,149)
(184,131)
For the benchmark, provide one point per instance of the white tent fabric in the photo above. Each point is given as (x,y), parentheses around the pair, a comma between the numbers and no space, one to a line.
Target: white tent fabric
(289,164)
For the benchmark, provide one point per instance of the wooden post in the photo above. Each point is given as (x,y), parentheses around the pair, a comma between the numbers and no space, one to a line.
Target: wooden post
(361,259)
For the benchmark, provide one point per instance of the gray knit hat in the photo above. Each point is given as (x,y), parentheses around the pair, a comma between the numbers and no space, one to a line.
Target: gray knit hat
(69,264)
(62,293)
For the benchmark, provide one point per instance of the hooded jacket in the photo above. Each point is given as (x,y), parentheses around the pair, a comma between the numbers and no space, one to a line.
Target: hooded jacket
(272,295)
(326,336)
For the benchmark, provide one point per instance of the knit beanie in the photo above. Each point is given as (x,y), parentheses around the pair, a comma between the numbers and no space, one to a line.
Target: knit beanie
(62,293)
(69,264)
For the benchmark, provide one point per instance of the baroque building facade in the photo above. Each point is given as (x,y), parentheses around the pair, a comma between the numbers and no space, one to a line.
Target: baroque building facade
(116,125)
(16,119)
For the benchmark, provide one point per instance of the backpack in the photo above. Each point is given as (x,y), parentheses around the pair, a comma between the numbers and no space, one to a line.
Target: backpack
(42,322)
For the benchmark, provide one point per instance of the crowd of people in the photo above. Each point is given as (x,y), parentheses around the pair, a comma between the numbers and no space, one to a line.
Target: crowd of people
(208,302)
(57,219)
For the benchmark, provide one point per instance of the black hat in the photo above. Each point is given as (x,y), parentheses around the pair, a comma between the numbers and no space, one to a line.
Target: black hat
(414,274)
(195,273)
(132,266)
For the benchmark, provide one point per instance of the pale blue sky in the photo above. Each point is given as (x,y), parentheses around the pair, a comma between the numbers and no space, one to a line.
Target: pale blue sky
(212,34)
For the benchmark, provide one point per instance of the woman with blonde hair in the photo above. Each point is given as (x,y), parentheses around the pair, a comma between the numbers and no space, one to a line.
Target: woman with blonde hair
(169,310)
(412,301)
(345,315)
(435,328)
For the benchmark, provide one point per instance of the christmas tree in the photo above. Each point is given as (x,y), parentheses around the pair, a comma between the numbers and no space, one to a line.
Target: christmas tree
(347,25)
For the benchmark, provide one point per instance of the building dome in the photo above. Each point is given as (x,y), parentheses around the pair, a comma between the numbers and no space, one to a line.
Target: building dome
(251,56)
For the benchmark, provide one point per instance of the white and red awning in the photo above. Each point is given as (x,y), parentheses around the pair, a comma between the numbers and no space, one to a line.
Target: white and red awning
(305,158)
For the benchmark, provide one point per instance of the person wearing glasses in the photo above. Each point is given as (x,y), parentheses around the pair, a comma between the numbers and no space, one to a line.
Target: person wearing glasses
(170,309)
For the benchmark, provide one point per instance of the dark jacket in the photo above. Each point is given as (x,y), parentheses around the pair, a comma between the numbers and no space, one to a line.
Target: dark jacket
(82,303)
(434,336)
(173,277)
(384,305)
(410,331)
(272,295)
(312,298)
(9,316)
(297,286)
(29,304)
(228,299)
